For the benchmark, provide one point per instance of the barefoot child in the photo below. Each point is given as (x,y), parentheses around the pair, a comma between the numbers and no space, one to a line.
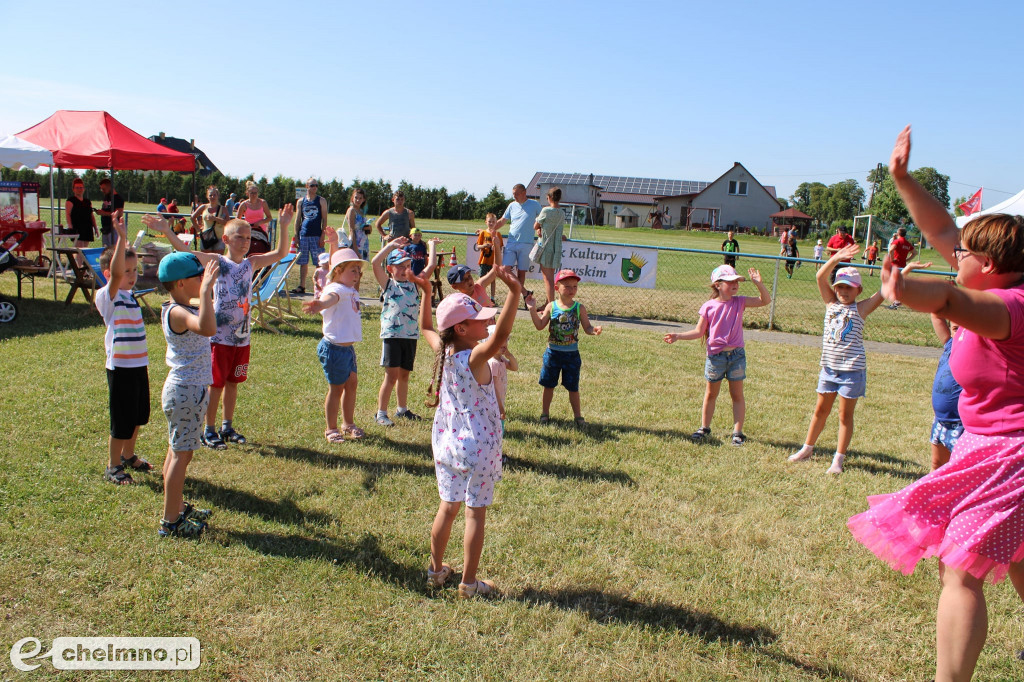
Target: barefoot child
(968,512)
(127,358)
(343,327)
(232,296)
(720,324)
(565,315)
(843,360)
(187,330)
(466,437)
(398,328)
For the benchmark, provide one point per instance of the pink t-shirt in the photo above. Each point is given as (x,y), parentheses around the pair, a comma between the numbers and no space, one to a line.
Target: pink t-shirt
(725,322)
(992,373)
(480,296)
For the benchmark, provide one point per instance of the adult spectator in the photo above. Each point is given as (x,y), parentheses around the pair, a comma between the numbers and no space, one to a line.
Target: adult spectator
(313,209)
(211,217)
(79,215)
(522,212)
(355,229)
(839,240)
(110,211)
(900,250)
(730,246)
(255,211)
(231,203)
(162,206)
(177,224)
(401,220)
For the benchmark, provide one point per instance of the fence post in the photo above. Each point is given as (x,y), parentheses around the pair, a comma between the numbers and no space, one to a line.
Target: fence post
(775,289)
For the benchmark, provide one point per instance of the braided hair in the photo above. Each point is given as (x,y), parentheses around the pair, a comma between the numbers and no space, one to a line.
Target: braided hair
(447,337)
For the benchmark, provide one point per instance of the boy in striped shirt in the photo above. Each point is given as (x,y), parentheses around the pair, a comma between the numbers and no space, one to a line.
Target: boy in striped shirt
(127,359)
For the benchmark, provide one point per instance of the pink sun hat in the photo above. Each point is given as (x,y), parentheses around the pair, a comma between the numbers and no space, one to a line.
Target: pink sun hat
(459,307)
(344,256)
(850,276)
(725,273)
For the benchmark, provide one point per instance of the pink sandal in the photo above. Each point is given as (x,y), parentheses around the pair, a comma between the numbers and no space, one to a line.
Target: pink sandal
(334,436)
(353,432)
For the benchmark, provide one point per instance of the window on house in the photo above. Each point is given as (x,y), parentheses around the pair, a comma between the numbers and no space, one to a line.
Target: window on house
(737,188)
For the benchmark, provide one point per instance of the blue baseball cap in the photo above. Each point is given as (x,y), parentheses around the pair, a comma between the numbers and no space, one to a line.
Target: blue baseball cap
(179,265)
(398,256)
(457,274)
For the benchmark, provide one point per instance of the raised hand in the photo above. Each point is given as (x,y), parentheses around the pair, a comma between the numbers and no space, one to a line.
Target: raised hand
(900,158)
(892,280)
(331,235)
(848,251)
(399,242)
(754,275)
(210,275)
(420,280)
(287,214)
(119,226)
(155,223)
(916,265)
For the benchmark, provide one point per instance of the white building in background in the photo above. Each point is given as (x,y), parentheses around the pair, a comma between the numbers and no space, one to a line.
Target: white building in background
(735,199)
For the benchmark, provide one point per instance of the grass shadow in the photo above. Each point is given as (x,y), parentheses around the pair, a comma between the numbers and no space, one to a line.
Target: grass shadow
(365,554)
(39,316)
(882,463)
(373,470)
(568,471)
(221,497)
(614,609)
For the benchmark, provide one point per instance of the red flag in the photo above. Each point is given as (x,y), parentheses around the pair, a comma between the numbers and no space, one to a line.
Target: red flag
(972,205)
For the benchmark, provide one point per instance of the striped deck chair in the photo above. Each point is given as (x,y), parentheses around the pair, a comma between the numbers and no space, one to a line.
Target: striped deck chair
(92,258)
(268,286)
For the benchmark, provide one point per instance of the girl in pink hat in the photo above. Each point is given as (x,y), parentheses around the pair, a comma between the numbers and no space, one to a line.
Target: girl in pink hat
(466,436)
(720,326)
(843,359)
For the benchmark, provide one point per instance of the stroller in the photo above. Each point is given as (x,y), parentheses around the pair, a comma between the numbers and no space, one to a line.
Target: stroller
(9,311)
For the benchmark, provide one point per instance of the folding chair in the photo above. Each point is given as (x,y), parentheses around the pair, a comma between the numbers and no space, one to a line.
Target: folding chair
(92,257)
(269,284)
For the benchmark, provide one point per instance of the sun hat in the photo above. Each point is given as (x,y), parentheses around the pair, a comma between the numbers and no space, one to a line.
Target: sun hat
(459,307)
(344,256)
(566,274)
(850,276)
(725,273)
(398,256)
(178,265)
(323,259)
(457,274)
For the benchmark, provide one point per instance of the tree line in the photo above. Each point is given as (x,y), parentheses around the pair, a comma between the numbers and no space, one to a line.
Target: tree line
(148,187)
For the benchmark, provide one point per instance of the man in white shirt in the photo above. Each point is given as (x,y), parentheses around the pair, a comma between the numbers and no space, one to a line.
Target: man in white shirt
(522,212)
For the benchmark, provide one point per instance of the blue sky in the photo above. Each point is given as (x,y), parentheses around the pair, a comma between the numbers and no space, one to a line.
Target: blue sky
(468,95)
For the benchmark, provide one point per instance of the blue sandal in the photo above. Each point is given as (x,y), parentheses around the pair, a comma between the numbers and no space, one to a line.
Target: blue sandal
(213,441)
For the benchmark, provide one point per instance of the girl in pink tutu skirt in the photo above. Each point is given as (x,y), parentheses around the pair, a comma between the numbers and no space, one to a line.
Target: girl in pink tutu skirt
(970,512)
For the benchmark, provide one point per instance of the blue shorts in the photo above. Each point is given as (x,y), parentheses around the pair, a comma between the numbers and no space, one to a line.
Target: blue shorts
(850,385)
(309,250)
(946,434)
(339,362)
(517,254)
(729,364)
(566,363)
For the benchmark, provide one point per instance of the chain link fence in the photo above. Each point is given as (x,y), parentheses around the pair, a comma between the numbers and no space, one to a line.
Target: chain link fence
(683,284)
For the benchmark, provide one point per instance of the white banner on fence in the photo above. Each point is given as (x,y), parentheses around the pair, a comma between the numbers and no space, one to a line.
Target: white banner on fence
(622,266)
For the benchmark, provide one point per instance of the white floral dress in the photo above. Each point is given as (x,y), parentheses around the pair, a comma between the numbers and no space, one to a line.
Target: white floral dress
(467,436)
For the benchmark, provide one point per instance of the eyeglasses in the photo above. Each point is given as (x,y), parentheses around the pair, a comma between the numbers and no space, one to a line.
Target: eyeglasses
(960,253)
(312,184)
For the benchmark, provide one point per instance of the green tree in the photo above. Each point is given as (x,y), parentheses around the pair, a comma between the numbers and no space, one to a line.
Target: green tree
(957,211)
(783,203)
(495,202)
(889,206)
(845,200)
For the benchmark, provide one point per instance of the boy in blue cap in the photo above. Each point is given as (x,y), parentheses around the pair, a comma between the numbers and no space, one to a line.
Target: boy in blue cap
(399,327)
(185,396)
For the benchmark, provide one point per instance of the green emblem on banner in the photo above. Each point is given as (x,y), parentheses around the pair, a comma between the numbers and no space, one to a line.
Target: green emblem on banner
(631,268)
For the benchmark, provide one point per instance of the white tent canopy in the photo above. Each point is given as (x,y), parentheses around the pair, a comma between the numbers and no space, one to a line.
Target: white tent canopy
(1014,206)
(16,153)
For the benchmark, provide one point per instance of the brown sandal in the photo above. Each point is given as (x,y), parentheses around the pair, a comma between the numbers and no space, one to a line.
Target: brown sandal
(352,432)
(334,436)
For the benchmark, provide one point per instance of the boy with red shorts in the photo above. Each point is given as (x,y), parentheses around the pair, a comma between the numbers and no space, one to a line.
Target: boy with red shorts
(232,294)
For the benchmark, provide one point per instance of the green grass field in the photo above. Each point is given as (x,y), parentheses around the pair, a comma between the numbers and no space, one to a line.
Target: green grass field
(622,551)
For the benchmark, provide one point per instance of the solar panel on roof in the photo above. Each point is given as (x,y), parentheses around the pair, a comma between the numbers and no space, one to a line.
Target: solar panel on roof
(625,184)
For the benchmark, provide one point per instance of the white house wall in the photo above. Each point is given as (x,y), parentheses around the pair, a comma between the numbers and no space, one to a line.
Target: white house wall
(752,210)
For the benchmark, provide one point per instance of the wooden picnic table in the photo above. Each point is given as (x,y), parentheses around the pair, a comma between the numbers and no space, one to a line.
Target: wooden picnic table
(81,278)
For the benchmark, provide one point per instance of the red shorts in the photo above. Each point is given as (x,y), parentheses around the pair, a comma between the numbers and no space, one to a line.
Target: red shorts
(230,363)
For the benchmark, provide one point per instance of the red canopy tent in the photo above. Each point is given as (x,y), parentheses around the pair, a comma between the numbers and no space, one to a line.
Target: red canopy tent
(97,140)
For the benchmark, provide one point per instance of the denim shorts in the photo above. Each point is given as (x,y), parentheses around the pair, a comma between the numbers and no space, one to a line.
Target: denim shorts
(517,254)
(729,364)
(339,362)
(566,363)
(850,385)
(946,434)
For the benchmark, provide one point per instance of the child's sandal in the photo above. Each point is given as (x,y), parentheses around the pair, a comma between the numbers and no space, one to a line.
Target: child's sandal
(439,578)
(481,588)
(118,476)
(738,438)
(136,463)
(353,432)
(700,435)
(334,436)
